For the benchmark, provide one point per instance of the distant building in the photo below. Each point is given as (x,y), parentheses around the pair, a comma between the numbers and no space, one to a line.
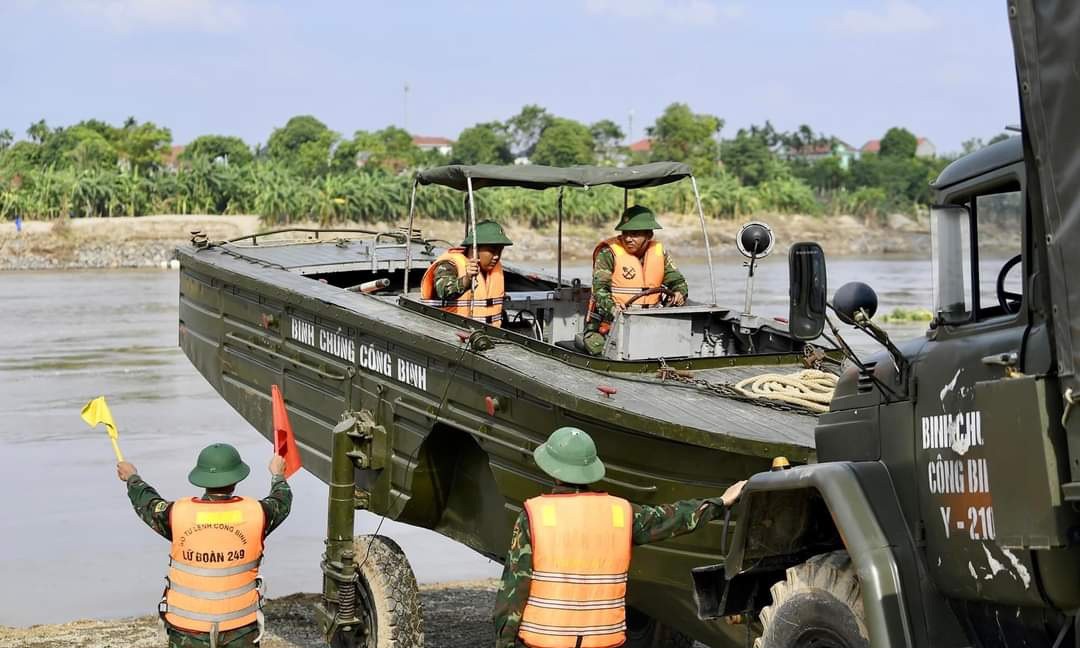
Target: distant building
(641,146)
(170,160)
(441,144)
(837,148)
(924,148)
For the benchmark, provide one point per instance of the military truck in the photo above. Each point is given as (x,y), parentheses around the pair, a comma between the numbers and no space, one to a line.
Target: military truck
(942,510)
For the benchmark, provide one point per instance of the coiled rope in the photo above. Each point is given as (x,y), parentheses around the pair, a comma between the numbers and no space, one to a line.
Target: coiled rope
(809,388)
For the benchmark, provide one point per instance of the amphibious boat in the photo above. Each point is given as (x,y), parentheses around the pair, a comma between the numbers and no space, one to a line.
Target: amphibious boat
(446,411)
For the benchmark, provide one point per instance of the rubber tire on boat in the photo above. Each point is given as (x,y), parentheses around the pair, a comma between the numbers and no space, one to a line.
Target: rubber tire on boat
(818,605)
(643,631)
(387,594)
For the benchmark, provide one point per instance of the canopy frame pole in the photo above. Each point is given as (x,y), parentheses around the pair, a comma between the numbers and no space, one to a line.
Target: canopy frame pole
(408,239)
(625,198)
(472,229)
(558,274)
(705,233)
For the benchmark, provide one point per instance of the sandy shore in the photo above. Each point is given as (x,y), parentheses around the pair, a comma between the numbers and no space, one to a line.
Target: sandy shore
(148,241)
(456,615)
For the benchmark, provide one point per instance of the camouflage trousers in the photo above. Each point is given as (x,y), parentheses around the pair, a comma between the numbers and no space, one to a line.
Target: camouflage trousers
(239,638)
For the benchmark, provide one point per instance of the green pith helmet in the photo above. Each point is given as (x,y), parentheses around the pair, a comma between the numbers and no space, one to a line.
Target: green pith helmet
(569,455)
(637,218)
(488,232)
(218,465)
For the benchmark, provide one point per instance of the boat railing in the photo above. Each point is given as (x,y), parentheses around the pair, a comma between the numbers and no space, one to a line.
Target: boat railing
(399,236)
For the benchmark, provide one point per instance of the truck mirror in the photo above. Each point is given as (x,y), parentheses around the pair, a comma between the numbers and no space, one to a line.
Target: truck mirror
(807,290)
(853,297)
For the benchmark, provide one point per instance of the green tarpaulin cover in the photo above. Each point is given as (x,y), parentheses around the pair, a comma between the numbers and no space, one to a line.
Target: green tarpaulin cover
(533,176)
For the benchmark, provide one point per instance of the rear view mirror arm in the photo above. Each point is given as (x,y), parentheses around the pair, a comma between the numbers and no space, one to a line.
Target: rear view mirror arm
(889,394)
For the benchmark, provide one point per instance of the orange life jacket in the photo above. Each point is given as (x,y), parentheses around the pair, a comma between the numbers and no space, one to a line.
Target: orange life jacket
(580,559)
(214,564)
(486,301)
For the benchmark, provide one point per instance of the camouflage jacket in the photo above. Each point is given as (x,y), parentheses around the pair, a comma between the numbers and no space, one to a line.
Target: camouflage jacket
(154,511)
(601,281)
(651,524)
(448,285)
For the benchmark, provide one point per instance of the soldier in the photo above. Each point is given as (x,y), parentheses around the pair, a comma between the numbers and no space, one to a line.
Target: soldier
(472,288)
(212,596)
(623,267)
(564,580)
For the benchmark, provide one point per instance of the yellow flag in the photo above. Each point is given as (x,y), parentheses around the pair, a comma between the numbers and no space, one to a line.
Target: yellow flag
(96,412)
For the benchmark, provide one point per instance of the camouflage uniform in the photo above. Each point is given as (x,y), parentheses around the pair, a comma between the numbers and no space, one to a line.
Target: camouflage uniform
(154,510)
(605,303)
(651,524)
(448,285)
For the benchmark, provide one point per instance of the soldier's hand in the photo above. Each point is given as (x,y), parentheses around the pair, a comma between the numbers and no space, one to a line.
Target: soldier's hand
(125,470)
(277,466)
(678,299)
(473,268)
(731,495)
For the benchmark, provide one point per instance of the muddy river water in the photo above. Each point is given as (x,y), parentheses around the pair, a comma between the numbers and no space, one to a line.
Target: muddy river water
(70,545)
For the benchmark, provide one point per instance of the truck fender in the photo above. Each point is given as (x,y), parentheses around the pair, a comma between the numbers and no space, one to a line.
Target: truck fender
(837,483)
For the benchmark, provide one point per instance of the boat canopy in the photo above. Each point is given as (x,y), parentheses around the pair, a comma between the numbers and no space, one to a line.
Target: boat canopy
(534,176)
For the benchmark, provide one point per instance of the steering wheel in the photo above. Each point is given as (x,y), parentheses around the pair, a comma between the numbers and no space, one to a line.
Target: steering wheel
(663,290)
(1008,300)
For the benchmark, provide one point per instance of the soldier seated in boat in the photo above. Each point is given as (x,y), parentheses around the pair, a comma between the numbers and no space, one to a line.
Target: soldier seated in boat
(630,270)
(470,287)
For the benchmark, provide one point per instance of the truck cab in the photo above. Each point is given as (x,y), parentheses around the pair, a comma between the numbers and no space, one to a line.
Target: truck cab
(939,512)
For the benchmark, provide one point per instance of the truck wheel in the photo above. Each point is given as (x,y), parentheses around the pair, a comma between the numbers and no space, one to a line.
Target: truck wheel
(643,631)
(386,595)
(818,605)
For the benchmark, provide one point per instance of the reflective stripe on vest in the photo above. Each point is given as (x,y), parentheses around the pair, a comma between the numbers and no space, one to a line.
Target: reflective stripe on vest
(485,302)
(631,274)
(214,564)
(580,557)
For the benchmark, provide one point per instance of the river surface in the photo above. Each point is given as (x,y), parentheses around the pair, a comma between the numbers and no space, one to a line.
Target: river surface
(70,545)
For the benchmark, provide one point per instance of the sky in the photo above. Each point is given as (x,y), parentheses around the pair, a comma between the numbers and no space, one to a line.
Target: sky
(852,69)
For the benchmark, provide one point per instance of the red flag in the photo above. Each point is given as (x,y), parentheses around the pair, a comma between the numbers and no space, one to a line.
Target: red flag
(284,440)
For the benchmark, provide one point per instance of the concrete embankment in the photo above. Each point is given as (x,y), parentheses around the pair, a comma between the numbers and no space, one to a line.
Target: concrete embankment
(148,241)
(456,615)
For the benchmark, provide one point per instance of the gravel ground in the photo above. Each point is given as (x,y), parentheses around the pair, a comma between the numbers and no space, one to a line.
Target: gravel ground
(456,615)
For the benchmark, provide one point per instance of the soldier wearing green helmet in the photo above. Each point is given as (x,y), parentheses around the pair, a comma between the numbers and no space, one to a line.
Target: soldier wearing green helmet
(570,458)
(472,287)
(217,470)
(624,266)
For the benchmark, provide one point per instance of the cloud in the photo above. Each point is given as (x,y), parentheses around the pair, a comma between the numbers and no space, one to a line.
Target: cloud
(128,15)
(896,17)
(680,12)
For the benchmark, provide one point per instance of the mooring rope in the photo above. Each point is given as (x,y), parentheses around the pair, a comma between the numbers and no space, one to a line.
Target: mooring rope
(809,388)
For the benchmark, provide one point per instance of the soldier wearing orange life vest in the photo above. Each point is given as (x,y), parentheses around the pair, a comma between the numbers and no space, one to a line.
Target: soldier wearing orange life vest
(625,266)
(472,288)
(564,580)
(213,596)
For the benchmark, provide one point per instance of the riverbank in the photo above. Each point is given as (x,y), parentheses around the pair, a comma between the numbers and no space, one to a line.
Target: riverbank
(149,241)
(456,615)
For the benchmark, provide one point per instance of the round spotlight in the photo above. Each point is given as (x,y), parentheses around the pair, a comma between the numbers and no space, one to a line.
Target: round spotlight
(755,240)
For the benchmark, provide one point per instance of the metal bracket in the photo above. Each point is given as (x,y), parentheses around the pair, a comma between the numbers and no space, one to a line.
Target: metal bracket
(369,439)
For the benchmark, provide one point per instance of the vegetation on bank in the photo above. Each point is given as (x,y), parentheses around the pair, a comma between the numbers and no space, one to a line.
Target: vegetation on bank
(306,171)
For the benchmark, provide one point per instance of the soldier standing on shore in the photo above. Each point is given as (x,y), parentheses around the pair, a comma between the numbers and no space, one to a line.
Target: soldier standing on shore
(213,595)
(564,580)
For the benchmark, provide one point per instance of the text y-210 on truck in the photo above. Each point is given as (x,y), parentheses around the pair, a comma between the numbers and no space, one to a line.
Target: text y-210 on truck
(942,510)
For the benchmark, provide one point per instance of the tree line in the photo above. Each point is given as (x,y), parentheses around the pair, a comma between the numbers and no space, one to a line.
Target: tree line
(305,170)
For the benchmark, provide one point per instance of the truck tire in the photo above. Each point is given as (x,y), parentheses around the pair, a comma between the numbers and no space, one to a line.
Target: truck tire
(818,605)
(387,594)
(643,631)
